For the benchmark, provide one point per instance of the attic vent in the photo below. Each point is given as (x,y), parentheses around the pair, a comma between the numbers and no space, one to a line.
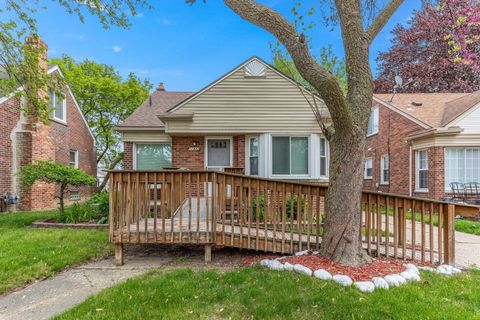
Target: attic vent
(416,104)
(255,69)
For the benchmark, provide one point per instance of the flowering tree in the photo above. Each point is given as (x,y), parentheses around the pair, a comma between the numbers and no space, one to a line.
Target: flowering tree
(438,52)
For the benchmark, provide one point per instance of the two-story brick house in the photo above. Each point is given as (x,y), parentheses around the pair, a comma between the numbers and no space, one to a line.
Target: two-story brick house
(418,144)
(67,139)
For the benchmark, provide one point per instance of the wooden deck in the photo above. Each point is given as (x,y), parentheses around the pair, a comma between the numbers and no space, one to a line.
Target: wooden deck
(225,209)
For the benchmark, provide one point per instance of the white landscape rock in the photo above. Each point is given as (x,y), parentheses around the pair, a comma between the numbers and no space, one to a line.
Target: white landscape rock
(302,269)
(380,283)
(265,262)
(276,265)
(365,286)
(322,274)
(288,266)
(412,268)
(448,270)
(342,280)
(428,269)
(410,275)
(401,280)
(391,280)
(303,253)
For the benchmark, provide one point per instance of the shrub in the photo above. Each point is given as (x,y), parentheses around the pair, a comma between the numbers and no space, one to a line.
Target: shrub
(291,207)
(100,201)
(79,212)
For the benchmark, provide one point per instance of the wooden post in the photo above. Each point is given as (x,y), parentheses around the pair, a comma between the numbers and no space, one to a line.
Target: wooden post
(449,234)
(119,254)
(208,253)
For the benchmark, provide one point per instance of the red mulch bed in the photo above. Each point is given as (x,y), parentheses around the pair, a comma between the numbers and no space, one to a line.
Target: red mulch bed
(378,268)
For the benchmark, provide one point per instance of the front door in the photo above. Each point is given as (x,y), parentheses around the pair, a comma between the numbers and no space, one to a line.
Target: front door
(218,153)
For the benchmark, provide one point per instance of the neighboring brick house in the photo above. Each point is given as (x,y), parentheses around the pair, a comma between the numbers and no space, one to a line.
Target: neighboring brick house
(67,139)
(417,144)
(253,119)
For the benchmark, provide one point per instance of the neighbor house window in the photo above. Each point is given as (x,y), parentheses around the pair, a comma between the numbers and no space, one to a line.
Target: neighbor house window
(253,155)
(219,153)
(368,168)
(462,165)
(74,195)
(74,158)
(373,122)
(323,157)
(384,169)
(58,105)
(153,156)
(290,155)
(421,170)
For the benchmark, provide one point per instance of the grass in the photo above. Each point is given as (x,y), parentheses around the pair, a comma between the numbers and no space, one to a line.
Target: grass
(461,224)
(258,293)
(27,254)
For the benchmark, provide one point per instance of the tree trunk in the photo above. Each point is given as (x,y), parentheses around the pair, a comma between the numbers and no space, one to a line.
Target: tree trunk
(341,241)
(112,166)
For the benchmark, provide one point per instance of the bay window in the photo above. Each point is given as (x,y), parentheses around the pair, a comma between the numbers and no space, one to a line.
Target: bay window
(290,155)
(153,156)
(462,165)
(421,170)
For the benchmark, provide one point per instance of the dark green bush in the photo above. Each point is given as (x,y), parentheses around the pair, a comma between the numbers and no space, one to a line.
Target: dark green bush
(100,201)
(291,207)
(79,212)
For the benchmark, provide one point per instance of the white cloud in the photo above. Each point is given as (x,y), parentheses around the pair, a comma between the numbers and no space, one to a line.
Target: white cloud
(116,49)
(165,21)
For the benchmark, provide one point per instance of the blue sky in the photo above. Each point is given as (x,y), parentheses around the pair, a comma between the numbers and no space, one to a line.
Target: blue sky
(184,46)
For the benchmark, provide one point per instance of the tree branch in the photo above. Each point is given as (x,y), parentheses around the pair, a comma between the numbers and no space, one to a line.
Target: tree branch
(382,19)
(319,77)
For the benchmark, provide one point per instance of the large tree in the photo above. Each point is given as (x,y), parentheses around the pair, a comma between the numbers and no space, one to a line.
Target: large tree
(106,99)
(360,22)
(437,52)
(20,60)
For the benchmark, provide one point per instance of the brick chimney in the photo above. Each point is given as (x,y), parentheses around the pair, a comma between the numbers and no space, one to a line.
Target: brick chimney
(36,42)
(161,87)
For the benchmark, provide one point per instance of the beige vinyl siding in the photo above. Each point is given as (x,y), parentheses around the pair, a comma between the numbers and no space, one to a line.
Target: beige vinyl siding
(470,122)
(460,140)
(239,104)
(146,136)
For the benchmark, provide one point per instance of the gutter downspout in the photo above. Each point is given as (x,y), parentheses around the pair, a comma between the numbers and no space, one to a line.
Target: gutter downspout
(410,169)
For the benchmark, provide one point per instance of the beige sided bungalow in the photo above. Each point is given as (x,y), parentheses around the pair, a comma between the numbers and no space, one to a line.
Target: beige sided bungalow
(257,121)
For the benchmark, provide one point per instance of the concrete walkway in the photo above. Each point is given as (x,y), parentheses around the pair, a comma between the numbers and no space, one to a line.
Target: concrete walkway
(467,250)
(45,299)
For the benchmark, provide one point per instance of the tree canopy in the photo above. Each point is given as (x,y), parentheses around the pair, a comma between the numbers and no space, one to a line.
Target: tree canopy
(19,61)
(56,173)
(437,52)
(105,98)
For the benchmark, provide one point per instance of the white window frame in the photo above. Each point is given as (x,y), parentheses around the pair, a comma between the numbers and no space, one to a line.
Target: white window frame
(365,176)
(447,187)
(247,153)
(134,150)
(64,105)
(417,170)
(309,169)
(382,168)
(376,118)
(74,195)
(206,151)
(76,164)
(326,156)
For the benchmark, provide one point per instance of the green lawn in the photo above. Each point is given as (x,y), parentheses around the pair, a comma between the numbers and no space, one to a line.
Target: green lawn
(258,293)
(27,254)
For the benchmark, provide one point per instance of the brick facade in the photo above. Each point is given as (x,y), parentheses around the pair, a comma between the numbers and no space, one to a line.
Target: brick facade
(128,155)
(24,143)
(391,139)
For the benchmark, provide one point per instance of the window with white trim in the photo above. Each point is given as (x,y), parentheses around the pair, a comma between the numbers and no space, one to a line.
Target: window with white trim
(74,158)
(373,122)
(368,168)
(58,105)
(253,155)
(290,155)
(323,157)
(74,195)
(462,165)
(153,156)
(219,153)
(385,169)
(421,170)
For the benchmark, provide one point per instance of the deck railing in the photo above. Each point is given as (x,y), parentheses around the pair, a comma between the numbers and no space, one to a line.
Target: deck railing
(226,209)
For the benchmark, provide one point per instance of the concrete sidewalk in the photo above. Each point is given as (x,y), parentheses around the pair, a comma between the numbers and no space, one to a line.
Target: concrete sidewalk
(45,299)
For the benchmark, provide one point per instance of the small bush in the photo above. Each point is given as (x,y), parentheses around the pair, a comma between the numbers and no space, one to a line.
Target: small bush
(79,212)
(290,210)
(100,201)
